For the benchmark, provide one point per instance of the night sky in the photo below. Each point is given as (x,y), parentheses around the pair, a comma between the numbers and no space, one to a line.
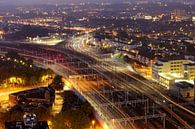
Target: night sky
(23,2)
(45,1)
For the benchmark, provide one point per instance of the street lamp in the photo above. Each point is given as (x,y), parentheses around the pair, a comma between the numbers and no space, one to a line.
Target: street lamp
(113,121)
(93,124)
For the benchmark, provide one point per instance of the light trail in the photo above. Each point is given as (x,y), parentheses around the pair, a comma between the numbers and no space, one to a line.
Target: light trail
(135,87)
(81,48)
(108,115)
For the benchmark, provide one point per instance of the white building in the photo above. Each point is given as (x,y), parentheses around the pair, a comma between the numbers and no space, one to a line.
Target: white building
(189,71)
(193,18)
(167,71)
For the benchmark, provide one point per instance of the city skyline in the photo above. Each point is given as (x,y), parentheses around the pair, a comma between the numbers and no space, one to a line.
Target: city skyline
(30,2)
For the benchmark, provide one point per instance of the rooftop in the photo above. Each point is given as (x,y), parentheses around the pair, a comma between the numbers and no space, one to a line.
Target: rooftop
(157,64)
(167,76)
(184,85)
(172,76)
(171,59)
(20,125)
(33,93)
(190,64)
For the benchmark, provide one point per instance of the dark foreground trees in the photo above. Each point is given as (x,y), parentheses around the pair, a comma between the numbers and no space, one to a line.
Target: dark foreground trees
(57,83)
(75,119)
(16,70)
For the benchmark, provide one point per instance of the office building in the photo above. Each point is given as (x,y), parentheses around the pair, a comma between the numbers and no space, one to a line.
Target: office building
(167,71)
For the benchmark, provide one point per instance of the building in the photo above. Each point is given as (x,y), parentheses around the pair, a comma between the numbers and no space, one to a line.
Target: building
(189,71)
(52,40)
(20,125)
(29,122)
(143,56)
(145,59)
(193,18)
(34,96)
(184,90)
(179,15)
(167,71)
(2,33)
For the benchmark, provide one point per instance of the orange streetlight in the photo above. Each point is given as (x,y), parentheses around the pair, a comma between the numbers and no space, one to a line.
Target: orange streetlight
(93,124)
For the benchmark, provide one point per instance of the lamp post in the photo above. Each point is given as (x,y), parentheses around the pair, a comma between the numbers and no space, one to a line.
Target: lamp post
(93,124)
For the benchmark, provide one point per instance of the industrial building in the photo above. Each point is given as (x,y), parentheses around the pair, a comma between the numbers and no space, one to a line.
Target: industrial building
(34,96)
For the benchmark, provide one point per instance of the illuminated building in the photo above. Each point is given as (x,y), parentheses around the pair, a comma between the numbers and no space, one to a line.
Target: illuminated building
(179,15)
(193,19)
(148,17)
(189,71)
(167,71)
(30,120)
(2,33)
(46,40)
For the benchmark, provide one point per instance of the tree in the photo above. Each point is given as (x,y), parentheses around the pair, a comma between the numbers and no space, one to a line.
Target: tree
(123,35)
(13,55)
(57,83)
(19,67)
(87,109)
(29,31)
(75,119)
